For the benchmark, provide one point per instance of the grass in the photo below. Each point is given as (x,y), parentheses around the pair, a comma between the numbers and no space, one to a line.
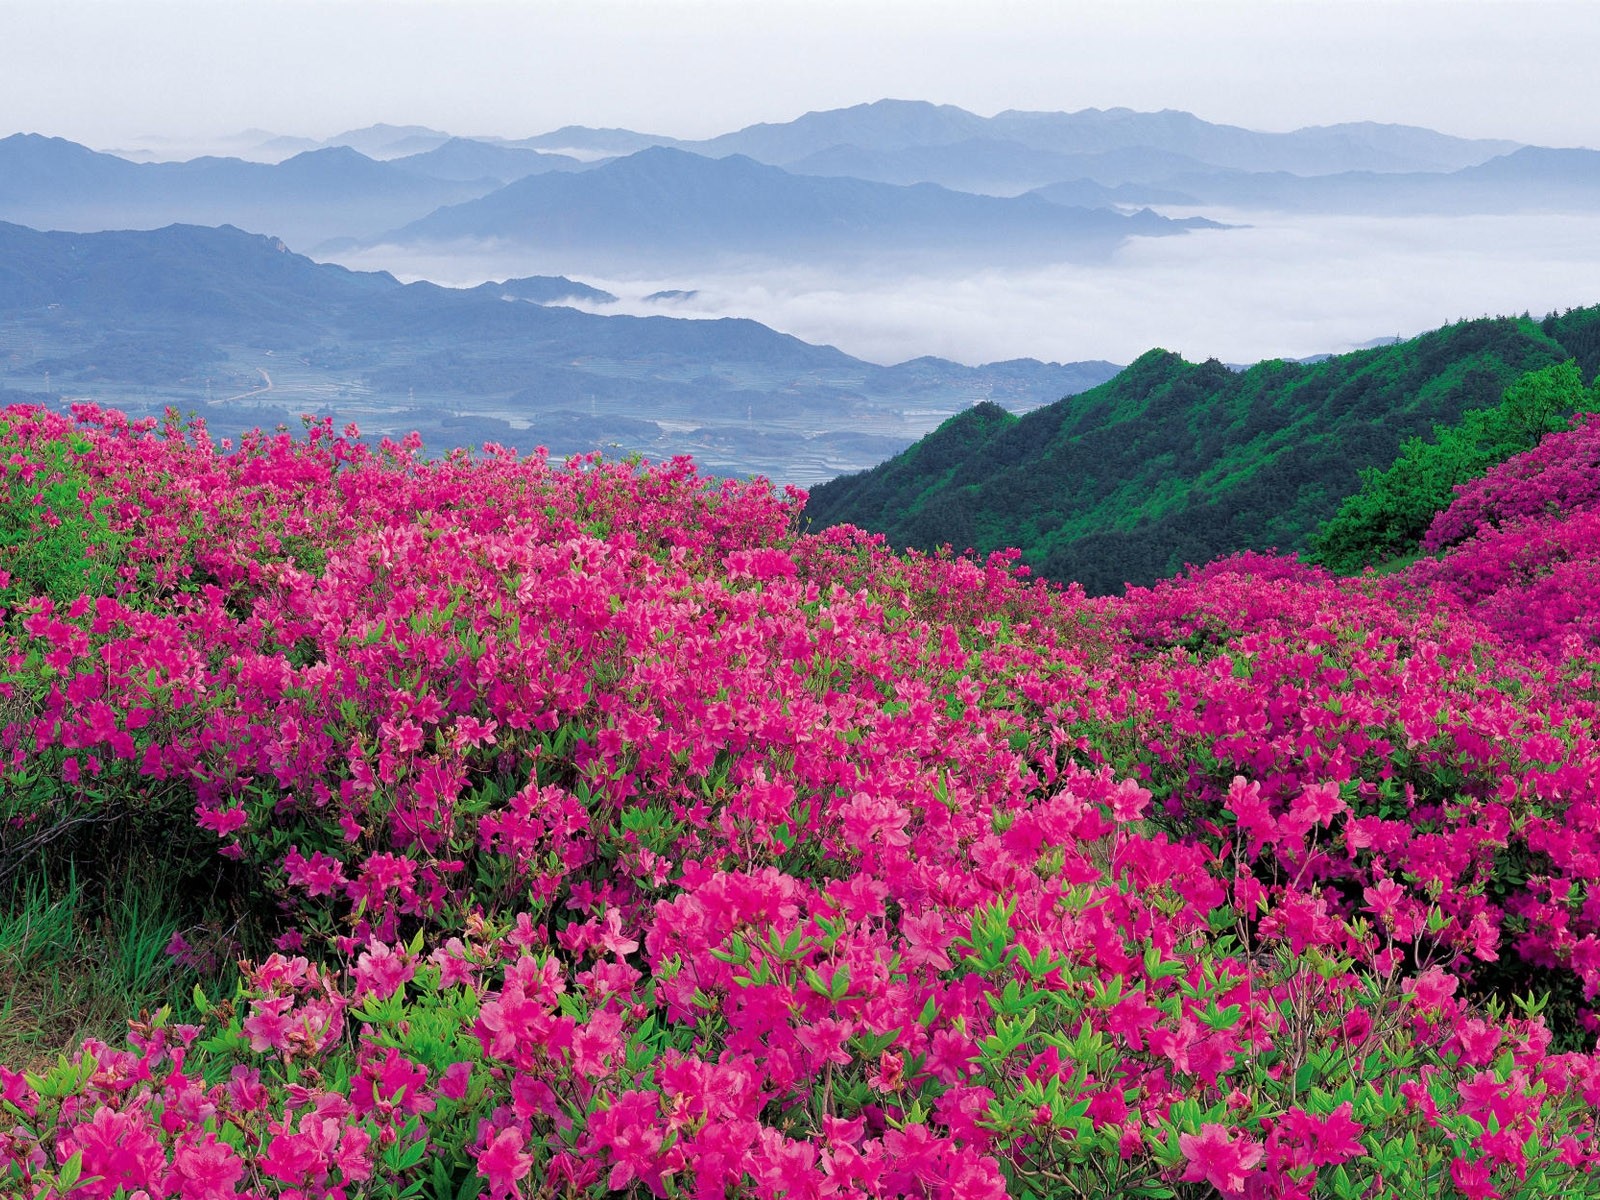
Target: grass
(76,964)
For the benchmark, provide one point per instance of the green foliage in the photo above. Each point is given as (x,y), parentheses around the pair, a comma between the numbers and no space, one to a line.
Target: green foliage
(1049,1145)
(427,1023)
(1392,509)
(55,534)
(1174,462)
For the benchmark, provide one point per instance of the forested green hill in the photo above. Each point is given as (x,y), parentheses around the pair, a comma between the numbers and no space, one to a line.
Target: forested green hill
(1173,462)
(1384,521)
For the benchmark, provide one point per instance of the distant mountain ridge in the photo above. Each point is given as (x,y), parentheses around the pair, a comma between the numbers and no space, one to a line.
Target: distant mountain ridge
(807,187)
(54,183)
(150,319)
(468,161)
(889,125)
(1530,179)
(664,206)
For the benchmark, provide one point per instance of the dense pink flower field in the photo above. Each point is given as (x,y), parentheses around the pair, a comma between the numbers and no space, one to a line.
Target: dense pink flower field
(629,841)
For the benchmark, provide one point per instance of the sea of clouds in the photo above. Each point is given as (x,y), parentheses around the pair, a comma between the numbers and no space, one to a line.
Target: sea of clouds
(1272,285)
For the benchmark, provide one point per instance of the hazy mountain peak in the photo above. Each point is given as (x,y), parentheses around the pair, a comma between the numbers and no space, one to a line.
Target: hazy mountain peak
(593,142)
(385,133)
(340,153)
(879,125)
(38,142)
(389,141)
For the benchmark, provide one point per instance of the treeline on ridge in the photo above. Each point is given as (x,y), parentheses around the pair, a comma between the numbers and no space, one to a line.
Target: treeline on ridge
(1384,521)
(1173,462)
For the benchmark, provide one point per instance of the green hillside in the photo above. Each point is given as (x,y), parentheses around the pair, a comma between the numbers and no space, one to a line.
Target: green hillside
(1173,462)
(1386,518)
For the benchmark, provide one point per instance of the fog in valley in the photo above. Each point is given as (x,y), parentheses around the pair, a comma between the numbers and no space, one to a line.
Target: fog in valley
(1272,285)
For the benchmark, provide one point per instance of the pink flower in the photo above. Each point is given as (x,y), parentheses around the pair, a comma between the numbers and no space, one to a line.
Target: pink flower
(1319,803)
(220,822)
(454,1079)
(629,1131)
(320,875)
(1478,1040)
(392,1081)
(1431,989)
(1473,1179)
(14,1089)
(380,972)
(204,1168)
(268,1025)
(1383,897)
(1333,1137)
(1218,1159)
(890,1075)
(611,935)
(1250,812)
(1129,801)
(117,1146)
(504,1162)
(826,1040)
(926,939)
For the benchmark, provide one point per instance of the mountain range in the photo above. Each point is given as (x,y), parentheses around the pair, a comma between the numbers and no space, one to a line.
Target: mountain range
(667,209)
(888,126)
(56,184)
(244,331)
(898,188)
(795,188)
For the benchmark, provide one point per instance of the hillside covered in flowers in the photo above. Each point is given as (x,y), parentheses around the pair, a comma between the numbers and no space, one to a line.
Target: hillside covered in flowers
(584,829)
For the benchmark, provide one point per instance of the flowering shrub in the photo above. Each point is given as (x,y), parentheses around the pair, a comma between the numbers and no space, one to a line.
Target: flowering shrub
(54,535)
(1519,548)
(617,839)
(1558,477)
(1392,509)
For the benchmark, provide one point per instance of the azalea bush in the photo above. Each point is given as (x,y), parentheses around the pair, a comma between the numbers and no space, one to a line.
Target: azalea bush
(55,536)
(1390,512)
(596,833)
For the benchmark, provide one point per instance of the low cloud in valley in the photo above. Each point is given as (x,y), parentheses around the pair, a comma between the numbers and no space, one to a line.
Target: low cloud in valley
(1272,286)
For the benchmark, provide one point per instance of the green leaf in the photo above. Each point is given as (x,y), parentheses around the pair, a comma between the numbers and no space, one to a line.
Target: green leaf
(841,983)
(67,1177)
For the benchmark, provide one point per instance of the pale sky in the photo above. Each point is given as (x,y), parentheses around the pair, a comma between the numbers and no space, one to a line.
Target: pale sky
(115,72)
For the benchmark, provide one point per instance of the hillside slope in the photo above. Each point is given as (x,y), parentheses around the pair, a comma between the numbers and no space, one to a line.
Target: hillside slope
(591,825)
(1174,462)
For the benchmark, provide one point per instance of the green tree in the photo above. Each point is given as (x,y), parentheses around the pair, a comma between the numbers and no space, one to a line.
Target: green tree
(1388,515)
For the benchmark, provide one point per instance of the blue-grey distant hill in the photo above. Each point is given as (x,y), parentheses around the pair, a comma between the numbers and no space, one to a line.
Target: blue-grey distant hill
(547,289)
(1086,193)
(993,167)
(468,161)
(1171,152)
(606,143)
(383,141)
(664,207)
(898,125)
(213,284)
(1531,179)
(244,331)
(847,185)
(52,183)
